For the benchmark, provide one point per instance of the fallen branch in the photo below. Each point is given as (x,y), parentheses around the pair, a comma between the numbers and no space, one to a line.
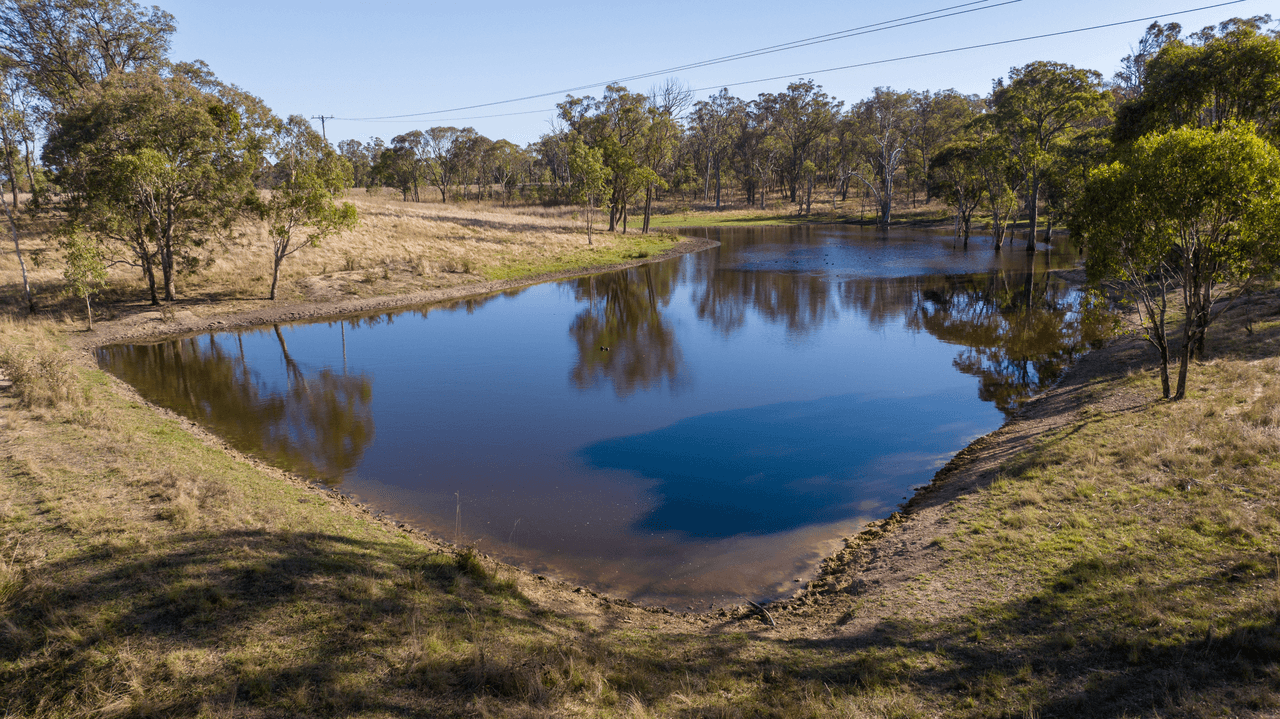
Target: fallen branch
(765,612)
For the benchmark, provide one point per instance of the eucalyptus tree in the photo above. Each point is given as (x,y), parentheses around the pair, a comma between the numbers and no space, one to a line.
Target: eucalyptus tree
(553,151)
(505,162)
(18,137)
(754,156)
(657,150)
(881,123)
(361,158)
(1000,173)
(1039,110)
(397,166)
(616,125)
(1193,209)
(157,163)
(1231,74)
(65,47)
(960,181)
(935,119)
(473,159)
(444,150)
(406,162)
(299,208)
(1127,82)
(590,176)
(799,118)
(85,271)
(713,123)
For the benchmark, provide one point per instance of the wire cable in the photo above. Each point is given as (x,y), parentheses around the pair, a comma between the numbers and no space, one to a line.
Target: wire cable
(972,47)
(829,37)
(830,69)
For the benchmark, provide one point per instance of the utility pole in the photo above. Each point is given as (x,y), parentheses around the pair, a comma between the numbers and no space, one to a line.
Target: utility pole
(322,118)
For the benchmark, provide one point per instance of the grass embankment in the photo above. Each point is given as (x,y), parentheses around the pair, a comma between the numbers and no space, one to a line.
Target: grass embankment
(1124,563)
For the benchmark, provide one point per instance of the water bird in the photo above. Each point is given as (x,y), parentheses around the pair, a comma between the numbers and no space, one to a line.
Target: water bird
(603,348)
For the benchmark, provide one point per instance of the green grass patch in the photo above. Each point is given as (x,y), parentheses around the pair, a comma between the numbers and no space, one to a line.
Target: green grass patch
(619,249)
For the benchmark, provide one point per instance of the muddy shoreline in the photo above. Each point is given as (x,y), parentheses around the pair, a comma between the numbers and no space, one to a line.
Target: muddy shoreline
(866,562)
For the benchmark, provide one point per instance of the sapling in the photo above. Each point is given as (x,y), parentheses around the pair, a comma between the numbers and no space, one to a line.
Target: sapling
(86,272)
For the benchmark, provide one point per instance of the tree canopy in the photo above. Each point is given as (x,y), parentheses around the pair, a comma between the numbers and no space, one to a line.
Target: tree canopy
(1192,209)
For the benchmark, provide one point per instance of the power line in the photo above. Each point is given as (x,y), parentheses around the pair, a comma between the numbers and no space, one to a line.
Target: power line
(453,119)
(841,35)
(829,37)
(972,47)
(849,67)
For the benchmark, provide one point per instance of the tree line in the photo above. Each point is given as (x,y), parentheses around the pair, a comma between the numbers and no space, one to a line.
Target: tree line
(1167,171)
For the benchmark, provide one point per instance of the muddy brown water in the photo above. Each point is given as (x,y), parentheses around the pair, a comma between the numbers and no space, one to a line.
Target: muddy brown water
(691,433)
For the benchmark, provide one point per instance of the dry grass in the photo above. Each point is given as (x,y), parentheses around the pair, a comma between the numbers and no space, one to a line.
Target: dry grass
(1124,566)
(399,247)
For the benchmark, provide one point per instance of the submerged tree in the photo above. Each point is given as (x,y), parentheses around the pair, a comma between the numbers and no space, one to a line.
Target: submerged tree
(960,182)
(1043,106)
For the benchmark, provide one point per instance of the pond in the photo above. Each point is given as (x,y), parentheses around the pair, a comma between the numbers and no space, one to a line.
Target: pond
(690,433)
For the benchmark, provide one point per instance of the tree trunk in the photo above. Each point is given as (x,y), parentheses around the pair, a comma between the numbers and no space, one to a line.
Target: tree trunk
(717,184)
(17,249)
(275,274)
(1184,359)
(149,272)
(170,288)
(648,207)
(886,198)
(12,212)
(166,267)
(88,311)
(1035,212)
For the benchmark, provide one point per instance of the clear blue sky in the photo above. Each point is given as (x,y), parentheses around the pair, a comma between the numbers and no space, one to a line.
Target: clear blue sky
(379,58)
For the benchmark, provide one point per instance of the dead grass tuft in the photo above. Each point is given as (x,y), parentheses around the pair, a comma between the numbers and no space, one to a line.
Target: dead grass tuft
(36,364)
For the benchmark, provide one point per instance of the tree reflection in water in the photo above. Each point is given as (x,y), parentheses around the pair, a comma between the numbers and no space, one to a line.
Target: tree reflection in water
(1020,330)
(621,334)
(318,425)
(798,300)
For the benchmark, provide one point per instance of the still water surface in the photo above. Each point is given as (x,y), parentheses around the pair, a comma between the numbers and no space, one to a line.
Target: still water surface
(690,432)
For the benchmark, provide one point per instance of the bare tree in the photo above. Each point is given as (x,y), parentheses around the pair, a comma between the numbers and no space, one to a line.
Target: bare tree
(881,123)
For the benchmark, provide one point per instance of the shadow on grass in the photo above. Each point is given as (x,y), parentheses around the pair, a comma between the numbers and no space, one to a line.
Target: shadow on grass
(1078,648)
(293,622)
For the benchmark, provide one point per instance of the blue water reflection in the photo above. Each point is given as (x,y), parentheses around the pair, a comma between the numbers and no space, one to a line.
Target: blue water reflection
(701,429)
(780,467)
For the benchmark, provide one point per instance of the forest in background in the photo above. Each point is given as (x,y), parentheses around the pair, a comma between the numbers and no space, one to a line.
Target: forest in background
(1021,152)
(1167,173)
